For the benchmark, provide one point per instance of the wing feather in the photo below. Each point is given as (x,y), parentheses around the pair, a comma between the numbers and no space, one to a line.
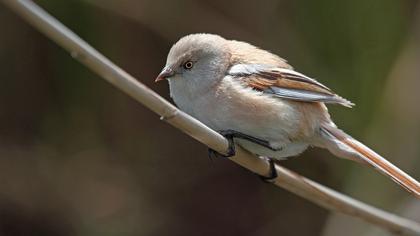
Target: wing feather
(286,83)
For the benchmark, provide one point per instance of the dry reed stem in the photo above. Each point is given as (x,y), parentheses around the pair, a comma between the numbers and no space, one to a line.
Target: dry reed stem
(286,179)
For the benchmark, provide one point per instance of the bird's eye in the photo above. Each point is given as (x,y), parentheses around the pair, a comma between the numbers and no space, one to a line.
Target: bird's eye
(188,65)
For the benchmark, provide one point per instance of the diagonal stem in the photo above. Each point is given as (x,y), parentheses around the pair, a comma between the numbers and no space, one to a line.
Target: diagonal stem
(286,179)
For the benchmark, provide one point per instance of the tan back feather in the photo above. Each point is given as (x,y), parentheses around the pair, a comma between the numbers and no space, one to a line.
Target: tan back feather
(245,53)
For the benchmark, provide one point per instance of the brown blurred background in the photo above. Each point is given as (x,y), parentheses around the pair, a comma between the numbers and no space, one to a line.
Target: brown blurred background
(78,157)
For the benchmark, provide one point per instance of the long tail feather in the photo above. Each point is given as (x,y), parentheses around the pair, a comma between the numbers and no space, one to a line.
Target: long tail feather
(345,146)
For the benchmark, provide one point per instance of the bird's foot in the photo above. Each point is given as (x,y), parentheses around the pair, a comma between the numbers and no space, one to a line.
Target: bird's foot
(230,134)
(231,149)
(273,173)
(237,134)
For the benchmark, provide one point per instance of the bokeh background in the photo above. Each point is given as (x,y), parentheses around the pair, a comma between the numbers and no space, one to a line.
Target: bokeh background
(78,157)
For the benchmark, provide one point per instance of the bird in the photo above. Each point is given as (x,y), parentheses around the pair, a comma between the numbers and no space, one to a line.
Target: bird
(258,101)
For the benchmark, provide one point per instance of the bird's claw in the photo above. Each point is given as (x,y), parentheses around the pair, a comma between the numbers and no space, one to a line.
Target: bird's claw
(273,173)
(231,149)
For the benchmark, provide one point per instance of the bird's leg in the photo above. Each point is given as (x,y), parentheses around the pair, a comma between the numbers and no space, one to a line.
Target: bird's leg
(230,134)
(273,172)
(236,134)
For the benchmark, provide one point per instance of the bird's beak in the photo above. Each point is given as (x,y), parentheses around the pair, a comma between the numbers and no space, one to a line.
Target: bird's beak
(166,73)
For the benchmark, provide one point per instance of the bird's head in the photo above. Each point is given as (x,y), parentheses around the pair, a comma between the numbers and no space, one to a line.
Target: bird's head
(195,63)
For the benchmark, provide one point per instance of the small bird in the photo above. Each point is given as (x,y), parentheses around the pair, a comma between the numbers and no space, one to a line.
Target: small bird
(257,100)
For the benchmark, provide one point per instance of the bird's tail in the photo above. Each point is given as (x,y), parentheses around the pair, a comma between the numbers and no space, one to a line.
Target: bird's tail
(343,145)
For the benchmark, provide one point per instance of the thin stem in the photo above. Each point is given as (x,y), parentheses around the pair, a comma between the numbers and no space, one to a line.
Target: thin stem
(286,179)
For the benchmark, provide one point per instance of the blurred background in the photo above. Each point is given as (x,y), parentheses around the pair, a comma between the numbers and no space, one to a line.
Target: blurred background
(78,157)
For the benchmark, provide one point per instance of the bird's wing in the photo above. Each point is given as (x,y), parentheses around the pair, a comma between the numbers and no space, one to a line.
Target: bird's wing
(285,83)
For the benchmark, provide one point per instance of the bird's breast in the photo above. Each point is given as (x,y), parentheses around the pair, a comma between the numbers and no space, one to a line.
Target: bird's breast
(230,106)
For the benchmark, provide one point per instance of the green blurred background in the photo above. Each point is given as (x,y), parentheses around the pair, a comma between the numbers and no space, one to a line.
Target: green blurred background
(78,157)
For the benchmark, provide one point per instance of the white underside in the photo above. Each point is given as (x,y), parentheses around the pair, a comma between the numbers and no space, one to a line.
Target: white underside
(230,106)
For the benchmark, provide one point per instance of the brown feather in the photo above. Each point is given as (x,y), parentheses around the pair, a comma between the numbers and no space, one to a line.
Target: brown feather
(374,159)
(262,83)
(245,53)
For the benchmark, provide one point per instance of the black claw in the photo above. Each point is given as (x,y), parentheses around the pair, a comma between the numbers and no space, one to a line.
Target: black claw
(210,154)
(273,173)
(231,149)
(230,134)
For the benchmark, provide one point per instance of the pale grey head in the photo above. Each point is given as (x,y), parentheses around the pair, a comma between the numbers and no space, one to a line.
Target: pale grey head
(195,63)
